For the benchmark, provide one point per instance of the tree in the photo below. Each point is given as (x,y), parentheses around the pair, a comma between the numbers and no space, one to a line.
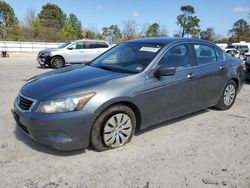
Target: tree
(188,23)
(7,15)
(153,30)
(240,31)
(76,24)
(89,34)
(112,32)
(8,22)
(208,34)
(129,29)
(52,16)
(68,32)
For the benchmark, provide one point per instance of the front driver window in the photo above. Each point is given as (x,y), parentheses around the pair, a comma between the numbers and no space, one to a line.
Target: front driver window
(177,56)
(77,45)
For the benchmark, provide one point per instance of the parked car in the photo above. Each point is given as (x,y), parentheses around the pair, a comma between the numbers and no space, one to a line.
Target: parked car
(231,50)
(133,86)
(242,48)
(247,64)
(80,51)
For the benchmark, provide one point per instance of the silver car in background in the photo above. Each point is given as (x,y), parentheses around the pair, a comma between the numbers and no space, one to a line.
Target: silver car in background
(80,51)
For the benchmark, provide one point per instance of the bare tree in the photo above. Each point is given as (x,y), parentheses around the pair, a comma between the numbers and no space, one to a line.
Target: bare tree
(163,32)
(30,18)
(129,29)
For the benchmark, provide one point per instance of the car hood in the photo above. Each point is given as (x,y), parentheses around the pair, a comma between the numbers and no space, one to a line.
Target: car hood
(50,50)
(62,80)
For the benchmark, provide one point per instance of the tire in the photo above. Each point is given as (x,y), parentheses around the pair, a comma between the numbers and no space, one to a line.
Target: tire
(57,62)
(114,128)
(228,97)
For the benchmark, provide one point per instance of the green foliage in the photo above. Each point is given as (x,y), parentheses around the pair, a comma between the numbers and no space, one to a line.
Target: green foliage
(76,25)
(7,15)
(208,34)
(188,23)
(68,32)
(240,31)
(89,34)
(52,16)
(113,31)
(153,30)
(8,22)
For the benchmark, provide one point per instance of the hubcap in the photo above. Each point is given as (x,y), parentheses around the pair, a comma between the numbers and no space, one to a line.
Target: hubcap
(58,62)
(229,95)
(117,130)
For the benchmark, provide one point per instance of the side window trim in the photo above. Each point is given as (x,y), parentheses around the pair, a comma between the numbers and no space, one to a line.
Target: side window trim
(189,51)
(195,53)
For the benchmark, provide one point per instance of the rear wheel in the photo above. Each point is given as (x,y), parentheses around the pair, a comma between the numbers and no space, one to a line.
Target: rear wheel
(57,62)
(228,97)
(114,128)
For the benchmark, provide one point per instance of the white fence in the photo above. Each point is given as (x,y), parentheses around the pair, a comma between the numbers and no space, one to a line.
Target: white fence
(14,46)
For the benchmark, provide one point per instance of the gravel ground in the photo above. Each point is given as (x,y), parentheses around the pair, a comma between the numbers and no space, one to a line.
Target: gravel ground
(206,149)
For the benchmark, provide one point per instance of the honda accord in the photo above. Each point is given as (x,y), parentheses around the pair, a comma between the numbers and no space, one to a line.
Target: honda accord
(130,87)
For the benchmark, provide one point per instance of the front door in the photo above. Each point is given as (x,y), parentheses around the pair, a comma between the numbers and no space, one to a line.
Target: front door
(172,96)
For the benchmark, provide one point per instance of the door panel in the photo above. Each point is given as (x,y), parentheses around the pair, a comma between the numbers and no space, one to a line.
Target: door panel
(210,73)
(170,96)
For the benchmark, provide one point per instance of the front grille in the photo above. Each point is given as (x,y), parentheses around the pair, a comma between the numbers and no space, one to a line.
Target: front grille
(24,103)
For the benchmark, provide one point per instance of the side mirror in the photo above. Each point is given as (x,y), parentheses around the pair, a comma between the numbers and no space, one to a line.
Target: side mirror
(70,48)
(165,71)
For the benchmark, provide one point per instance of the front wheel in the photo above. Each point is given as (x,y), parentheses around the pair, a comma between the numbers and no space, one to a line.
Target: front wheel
(228,97)
(114,128)
(57,62)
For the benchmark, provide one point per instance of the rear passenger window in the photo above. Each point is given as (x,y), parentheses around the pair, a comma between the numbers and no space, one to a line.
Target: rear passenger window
(101,45)
(177,57)
(205,54)
(98,45)
(92,45)
(219,54)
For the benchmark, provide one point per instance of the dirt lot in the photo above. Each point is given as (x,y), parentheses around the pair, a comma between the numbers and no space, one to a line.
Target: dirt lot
(207,149)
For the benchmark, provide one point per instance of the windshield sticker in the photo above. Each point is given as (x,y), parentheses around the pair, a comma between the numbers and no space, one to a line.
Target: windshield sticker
(149,49)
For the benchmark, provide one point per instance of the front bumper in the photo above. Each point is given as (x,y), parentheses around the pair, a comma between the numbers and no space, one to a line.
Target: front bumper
(61,131)
(43,60)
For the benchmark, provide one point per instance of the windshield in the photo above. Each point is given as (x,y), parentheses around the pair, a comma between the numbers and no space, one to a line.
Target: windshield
(64,45)
(130,57)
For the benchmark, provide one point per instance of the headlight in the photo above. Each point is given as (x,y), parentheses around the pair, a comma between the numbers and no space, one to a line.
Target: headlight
(75,103)
(46,53)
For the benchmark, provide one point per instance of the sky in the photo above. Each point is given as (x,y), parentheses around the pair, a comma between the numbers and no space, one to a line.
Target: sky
(95,14)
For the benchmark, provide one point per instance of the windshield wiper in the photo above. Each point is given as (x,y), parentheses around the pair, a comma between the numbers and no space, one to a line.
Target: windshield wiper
(106,68)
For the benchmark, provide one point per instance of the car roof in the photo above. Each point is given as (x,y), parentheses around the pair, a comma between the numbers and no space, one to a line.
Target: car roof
(168,40)
(92,40)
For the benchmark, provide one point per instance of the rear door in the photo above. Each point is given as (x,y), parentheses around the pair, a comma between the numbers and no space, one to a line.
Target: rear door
(210,73)
(94,48)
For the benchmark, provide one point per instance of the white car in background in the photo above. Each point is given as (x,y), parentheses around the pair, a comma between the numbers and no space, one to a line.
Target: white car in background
(80,51)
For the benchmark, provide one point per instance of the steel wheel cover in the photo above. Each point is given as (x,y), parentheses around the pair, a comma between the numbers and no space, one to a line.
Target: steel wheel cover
(229,95)
(117,130)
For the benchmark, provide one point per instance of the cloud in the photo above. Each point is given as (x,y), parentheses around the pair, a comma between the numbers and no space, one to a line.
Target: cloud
(240,9)
(99,7)
(135,14)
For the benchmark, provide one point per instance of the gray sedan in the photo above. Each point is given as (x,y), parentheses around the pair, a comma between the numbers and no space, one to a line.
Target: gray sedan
(132,86)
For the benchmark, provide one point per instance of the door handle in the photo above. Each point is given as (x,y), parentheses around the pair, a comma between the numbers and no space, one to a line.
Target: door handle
(190,75)
(222,67)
